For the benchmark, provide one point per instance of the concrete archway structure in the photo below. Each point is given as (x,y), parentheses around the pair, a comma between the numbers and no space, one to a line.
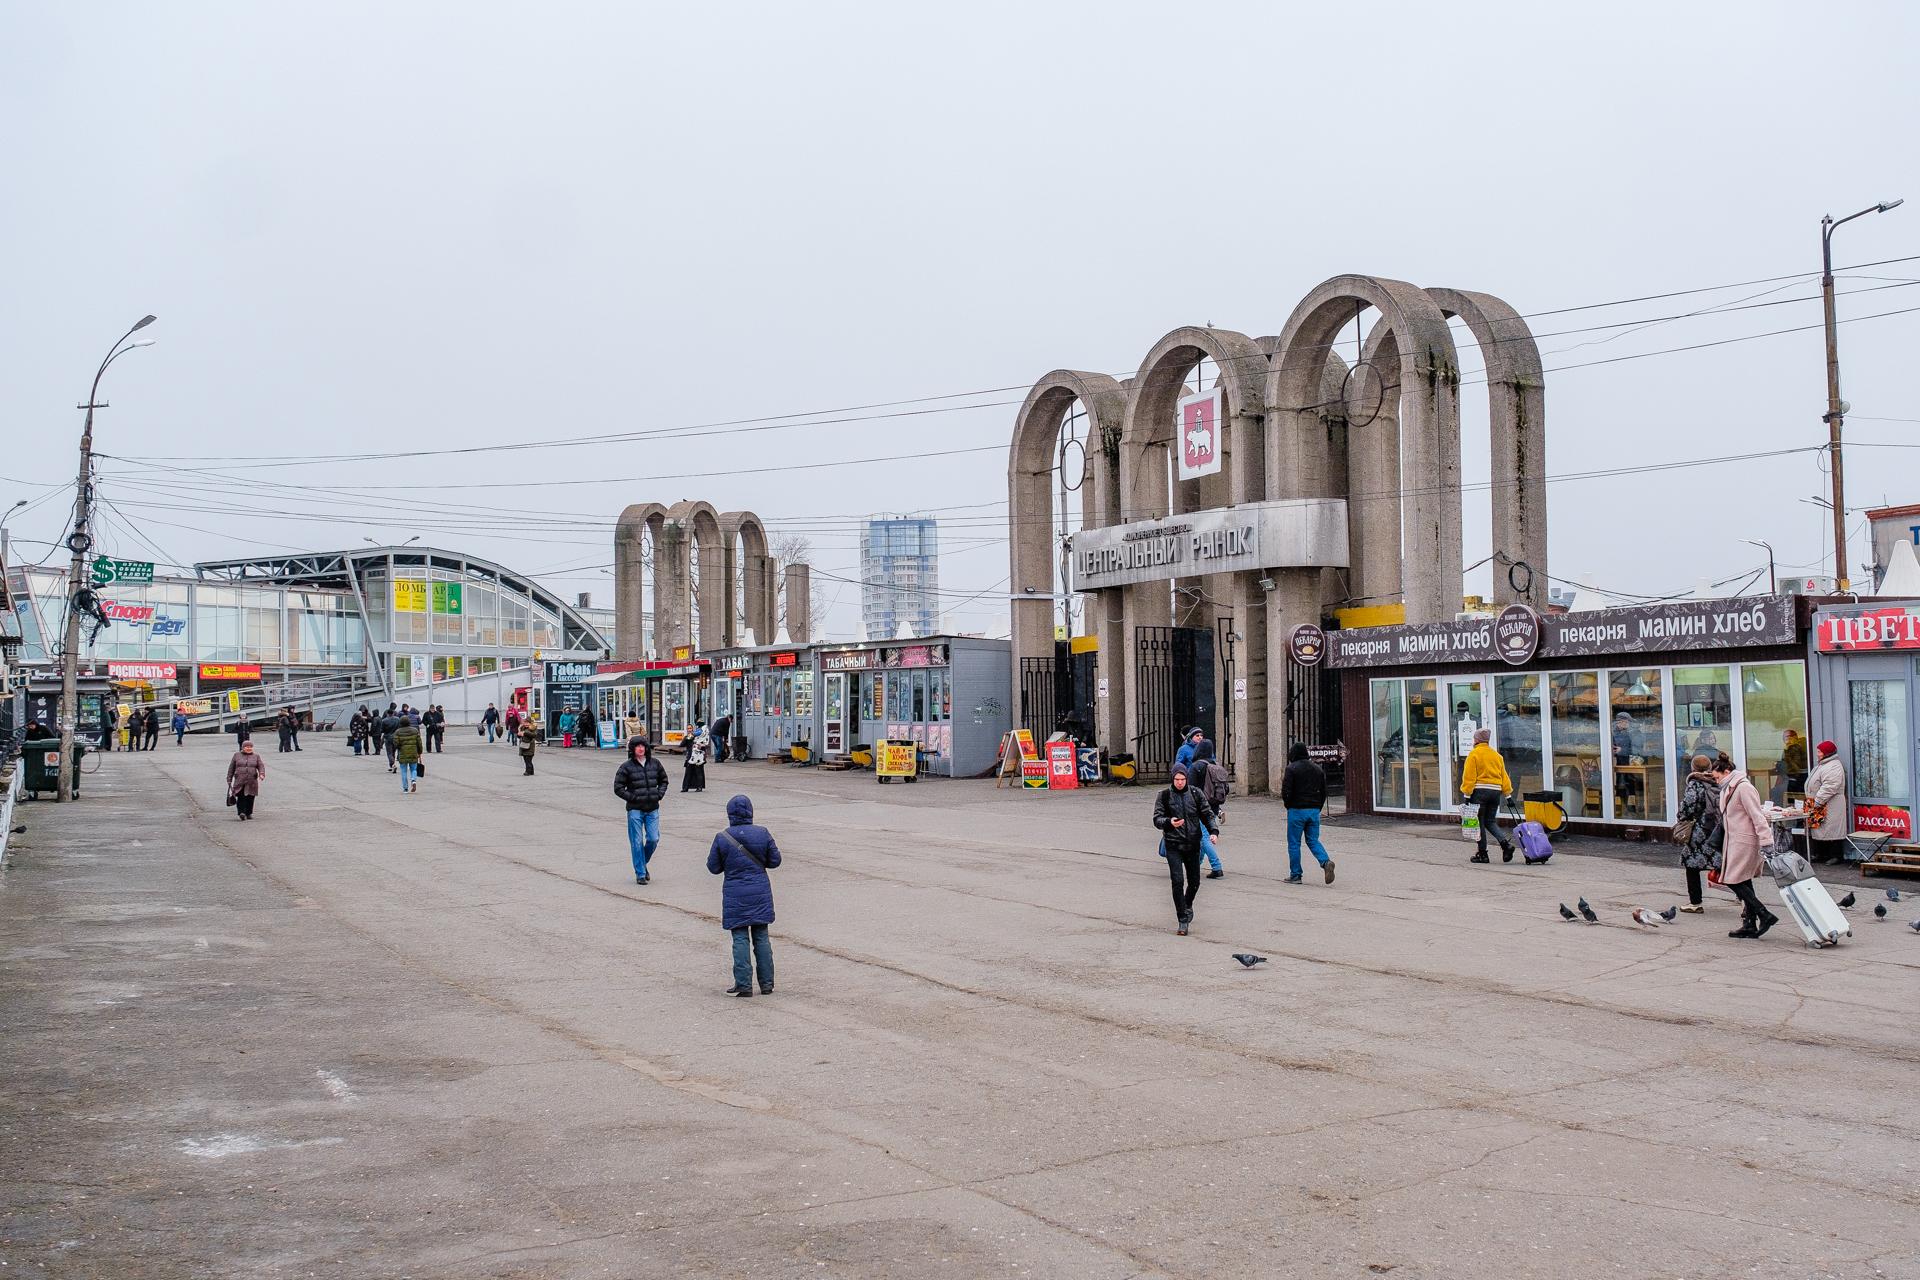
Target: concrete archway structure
(638,525)
(749,573)
(734,556)
(1291,433)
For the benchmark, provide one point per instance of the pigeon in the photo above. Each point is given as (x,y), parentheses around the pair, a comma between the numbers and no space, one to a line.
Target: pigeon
(1671,914)
(1893,895)
(1586,912)
(1566,914)
(1914,925)
(1879,911)
(1249,960)
(1643,916)
(1849,900)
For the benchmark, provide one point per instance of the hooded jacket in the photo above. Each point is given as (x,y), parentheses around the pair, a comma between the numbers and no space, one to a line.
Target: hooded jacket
(746,896)
(1187,804)
(642,783)
(1304,785)
(406,744)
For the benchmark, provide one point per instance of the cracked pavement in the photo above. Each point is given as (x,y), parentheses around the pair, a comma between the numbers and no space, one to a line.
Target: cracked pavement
(445,1035)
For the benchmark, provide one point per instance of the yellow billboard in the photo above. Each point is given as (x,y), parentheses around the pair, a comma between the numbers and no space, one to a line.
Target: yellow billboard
(410,595)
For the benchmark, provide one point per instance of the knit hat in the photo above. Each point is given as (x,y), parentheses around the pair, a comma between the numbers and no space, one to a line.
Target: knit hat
(1826,749)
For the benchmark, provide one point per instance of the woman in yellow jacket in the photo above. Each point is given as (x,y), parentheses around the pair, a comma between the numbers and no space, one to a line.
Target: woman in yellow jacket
(1484,782)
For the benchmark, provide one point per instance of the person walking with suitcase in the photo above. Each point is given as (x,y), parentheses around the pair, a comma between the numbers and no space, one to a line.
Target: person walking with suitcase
(1484,784)
(1303,790)
(641,781)
(1699,823)
(744,853)
(1745,836)
(1184,817)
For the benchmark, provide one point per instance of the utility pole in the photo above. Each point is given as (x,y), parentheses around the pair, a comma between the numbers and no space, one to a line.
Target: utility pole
(1836,407)
(79,542)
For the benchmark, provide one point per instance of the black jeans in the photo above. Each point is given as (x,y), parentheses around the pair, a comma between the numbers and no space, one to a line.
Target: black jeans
(1751,911)
(243,804)
(1488,799)
(436,740)
(1693,886)
(1183,866)
(528,757)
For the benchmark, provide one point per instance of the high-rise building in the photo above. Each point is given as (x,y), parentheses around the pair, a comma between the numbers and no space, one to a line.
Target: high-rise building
(900,577)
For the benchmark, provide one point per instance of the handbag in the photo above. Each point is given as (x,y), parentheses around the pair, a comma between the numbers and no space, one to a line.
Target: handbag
(232,800)
(1683,831)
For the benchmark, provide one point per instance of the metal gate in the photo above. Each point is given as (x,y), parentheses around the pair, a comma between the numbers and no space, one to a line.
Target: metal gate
(1039,697)
(1229,707)
(1313,717)
(1173,690)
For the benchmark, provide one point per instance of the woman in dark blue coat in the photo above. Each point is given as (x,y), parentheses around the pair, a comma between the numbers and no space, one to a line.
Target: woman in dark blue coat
(745,853)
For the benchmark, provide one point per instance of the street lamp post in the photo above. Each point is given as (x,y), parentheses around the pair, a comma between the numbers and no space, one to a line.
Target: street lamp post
(1773,582)
(1836,409)
(79,542)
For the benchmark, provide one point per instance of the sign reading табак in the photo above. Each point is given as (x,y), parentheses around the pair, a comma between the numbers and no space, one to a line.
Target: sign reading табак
(1293,533)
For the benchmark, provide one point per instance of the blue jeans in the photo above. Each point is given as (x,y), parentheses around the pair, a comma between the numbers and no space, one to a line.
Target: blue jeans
(762,957)
(1303,822)
(643,834)
(489,733)
(406,775)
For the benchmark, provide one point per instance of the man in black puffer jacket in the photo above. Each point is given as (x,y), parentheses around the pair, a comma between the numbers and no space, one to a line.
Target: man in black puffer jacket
(1184,818)
(642,783)
(1304,791)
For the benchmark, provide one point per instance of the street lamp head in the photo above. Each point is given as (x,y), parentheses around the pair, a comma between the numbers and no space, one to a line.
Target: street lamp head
(144,322)
(1892,204)
(141,342)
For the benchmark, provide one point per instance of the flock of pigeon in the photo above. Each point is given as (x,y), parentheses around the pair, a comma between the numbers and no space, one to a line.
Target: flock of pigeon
(1644,917)
(1654,919)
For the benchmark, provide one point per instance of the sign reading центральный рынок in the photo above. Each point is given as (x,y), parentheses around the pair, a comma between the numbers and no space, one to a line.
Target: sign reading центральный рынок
(1294,533)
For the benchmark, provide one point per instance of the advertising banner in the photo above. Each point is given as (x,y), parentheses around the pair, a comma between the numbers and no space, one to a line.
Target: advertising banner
(1200,442)
(230,671)
(1884,819)
(410,595)
(146,672)
(233,699)
(194,706)
(1062,773)
(137,614)
(1870,631)
(107,571)
(446,597)
(1679,625)
(895,758)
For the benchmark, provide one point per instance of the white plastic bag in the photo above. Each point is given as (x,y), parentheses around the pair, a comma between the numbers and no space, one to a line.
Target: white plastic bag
(1470,822)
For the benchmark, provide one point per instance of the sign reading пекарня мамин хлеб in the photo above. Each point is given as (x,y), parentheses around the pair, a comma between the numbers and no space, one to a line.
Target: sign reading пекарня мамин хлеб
(1296,533)
(1679,624)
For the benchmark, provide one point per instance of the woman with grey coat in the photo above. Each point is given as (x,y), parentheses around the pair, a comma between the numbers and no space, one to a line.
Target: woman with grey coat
(1700,804)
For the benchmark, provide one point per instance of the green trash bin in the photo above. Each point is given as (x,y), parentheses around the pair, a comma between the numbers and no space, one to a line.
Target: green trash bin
(43,770)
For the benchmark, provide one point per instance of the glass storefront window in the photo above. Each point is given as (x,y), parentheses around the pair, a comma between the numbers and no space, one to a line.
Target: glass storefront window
(1423,746)
(1702,715)
(1389,746)
(1882,727)
(1577,770)
(803,693)
(1774,700)
(1637,735)
(919,696)
(1516,730)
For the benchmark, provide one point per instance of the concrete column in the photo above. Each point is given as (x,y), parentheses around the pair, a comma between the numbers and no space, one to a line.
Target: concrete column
(1519,493)
(1106,619)
(1295,599)
(759,586)
(1430,472)
(799,600)
(715,597)
(672,588)
(629,603)
(1373,487)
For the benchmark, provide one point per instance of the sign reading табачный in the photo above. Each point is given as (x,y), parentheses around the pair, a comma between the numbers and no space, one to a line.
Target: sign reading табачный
(1295,533)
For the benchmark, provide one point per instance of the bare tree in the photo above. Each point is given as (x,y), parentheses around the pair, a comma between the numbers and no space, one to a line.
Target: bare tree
(797,548)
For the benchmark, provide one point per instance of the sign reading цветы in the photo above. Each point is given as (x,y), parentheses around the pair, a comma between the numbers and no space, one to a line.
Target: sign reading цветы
(1291,533)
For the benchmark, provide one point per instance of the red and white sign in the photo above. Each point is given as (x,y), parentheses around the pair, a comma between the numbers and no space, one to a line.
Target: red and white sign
(117,612)
(1873,632)
(142,671)
(229,671)
(1063,773)
(1884,819)
(1200,434)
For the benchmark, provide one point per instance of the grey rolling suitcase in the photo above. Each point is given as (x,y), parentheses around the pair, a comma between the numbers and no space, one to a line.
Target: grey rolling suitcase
(1821,923)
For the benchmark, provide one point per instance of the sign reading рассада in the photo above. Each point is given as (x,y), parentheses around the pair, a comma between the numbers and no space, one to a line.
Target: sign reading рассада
(1295,533)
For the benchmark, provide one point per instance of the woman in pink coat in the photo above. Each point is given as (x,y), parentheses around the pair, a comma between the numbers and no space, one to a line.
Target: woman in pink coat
(1747,834)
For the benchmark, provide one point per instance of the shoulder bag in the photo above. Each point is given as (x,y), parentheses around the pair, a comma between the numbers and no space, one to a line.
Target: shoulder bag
(751,855)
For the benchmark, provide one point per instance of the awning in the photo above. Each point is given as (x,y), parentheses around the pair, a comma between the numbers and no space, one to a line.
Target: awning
(605,678)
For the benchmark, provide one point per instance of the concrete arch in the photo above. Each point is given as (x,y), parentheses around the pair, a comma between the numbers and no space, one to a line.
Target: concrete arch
(1517,421)
(1151,396)
(1032,556)
(754,574)
(1299,457)
(635,524)
(689,521)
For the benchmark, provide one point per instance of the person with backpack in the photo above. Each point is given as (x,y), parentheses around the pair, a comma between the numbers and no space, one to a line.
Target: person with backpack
(744,853)
(1484,784)
(1303,790)
(1189,745)
(1184,818)
(408,744)
(1209,777)
(641,781)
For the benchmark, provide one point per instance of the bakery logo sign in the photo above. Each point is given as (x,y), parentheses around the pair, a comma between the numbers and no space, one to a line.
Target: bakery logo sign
(1516,635)
(1307,644)
(1200,434)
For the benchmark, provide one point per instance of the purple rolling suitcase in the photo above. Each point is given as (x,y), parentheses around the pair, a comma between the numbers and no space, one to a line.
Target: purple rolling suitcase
(1533,842)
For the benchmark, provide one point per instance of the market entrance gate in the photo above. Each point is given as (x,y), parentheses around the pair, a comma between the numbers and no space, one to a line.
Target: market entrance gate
(1174,690)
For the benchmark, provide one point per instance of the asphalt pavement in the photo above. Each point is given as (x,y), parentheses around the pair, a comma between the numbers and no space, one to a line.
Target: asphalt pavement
(445,1035)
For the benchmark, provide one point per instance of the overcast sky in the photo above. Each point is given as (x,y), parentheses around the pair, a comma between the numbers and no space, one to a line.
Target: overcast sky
(399,227)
